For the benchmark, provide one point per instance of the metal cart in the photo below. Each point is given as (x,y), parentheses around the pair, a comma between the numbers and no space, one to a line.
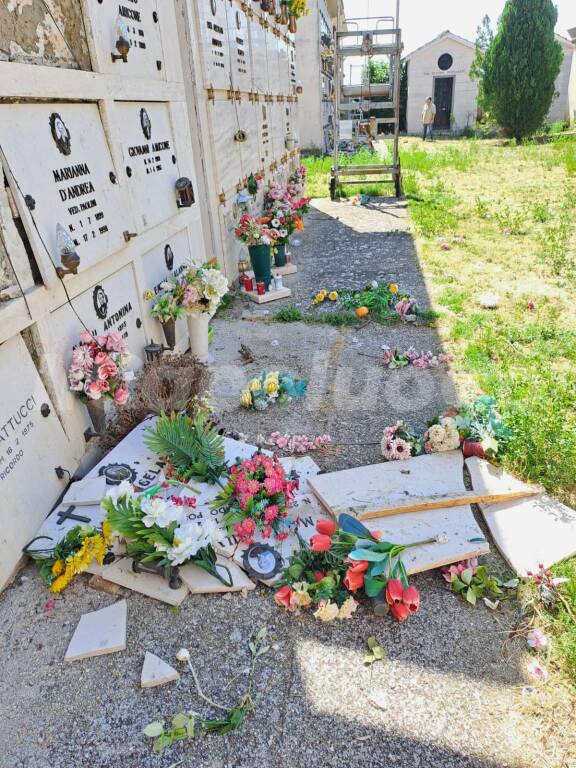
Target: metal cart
(366,37)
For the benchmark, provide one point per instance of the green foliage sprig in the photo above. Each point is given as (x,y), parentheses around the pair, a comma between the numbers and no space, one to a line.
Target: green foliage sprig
(191,724)
(192,448)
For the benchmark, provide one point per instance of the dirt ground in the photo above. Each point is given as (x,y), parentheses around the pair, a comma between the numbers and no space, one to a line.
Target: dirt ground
(452,693)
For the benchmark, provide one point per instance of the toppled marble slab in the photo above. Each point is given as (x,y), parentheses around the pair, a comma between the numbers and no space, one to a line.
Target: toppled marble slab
(532,531)
(99,632)
(149,584)
(459,536)
(155,672)
(527,531)
(199,582)
(489,479)
(86,492)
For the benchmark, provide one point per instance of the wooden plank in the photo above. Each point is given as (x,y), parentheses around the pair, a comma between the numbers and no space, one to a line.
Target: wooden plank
(370,511)
(393,481)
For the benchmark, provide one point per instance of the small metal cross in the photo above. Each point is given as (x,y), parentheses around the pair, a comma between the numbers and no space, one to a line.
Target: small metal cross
(67,514)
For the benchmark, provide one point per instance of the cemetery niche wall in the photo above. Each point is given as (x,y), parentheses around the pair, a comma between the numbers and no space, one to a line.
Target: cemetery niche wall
(245,76)
(89,221)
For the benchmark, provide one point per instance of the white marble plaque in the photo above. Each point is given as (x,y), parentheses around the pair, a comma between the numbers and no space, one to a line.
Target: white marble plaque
(150,161)
(140,22)
(283,67)
(215,49)
(273,57)
(169,259)
(278,120)
(239,47)
(58,154)
(225,123)
(249,150)
(111,305)
(264,113)
(31,445)
(258,37)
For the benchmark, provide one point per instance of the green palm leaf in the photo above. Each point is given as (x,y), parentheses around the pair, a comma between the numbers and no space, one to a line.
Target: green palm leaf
(194,447)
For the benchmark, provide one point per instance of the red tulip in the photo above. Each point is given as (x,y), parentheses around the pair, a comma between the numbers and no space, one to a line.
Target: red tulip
(394,591)
(358,566)
(318,575)
(282,597)
(354,578)
(326,527)
(411,598)
(320,543)
(399,611)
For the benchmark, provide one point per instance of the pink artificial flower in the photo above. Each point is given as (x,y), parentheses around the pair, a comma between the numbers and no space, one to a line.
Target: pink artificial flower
(102,358)
(402,449)
(92,390)
(115,343)
(537,639)
(121,395)
(271,513)
(107,371)
(537,670)
(86,337)
(272,485)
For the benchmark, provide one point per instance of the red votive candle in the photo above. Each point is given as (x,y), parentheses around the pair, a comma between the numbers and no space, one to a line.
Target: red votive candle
(260,289)
(248,284)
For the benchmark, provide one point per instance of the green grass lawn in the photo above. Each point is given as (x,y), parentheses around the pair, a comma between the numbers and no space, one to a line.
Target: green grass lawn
(489,217)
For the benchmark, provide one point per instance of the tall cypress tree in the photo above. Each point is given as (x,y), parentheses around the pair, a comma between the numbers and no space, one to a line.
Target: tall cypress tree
(521,66)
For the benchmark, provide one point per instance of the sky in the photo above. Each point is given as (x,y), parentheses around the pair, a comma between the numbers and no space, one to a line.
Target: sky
(422,20)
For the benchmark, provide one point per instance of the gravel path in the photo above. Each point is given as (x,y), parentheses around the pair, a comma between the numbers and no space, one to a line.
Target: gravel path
(446,697)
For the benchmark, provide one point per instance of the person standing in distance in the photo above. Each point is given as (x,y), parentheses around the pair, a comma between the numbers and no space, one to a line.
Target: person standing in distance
(428,117)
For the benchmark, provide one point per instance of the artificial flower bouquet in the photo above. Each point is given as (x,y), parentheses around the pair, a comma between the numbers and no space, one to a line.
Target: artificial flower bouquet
(97,369)
(271,387)
(285,223)
(203,288)
(481,428)
(400,442)
(379,300)
(298,175)
(191,448)
(443,436)
(292,444)
(256,498)
(301,206)
(340,561)
(168,304)
(255,231)
(72,555)
(157,530)
(277,196)
(394,358)
(472,581)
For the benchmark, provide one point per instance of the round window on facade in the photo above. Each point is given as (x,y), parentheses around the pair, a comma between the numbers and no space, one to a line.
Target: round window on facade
(445,61)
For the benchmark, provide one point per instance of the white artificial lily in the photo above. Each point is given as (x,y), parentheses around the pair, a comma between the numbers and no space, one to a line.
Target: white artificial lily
(160,512)
(122,491)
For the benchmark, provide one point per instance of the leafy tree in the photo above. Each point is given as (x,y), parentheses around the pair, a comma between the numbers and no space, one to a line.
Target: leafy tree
(484,39)
(521,66)
(375,72)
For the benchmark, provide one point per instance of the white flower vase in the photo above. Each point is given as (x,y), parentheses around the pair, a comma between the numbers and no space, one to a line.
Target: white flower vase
(198,334)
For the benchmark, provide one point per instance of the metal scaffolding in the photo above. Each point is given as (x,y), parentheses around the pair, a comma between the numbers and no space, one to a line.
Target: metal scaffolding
(366,37)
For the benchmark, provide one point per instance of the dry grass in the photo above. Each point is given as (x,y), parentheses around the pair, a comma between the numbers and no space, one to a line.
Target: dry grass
(174,383)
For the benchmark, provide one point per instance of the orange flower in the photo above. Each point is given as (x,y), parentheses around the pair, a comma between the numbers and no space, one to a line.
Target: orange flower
(299,225)
(264,220)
